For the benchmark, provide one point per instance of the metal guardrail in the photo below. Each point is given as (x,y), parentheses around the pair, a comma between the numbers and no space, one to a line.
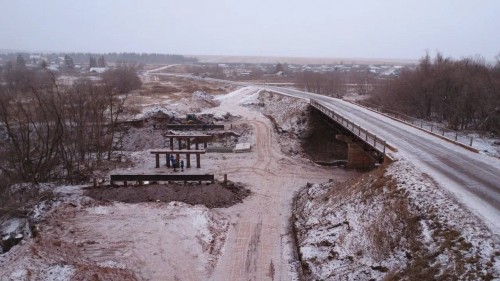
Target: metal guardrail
(433,127)
(363,134)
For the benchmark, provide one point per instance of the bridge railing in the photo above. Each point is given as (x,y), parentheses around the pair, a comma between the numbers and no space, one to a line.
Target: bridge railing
(433,127)
(363,134)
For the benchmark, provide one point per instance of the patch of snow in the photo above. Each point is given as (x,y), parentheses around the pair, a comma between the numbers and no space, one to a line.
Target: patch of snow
(99,210)
(112,264)
(19,274)
(154,110)
(58,273)
(69,189)
(251,99)
(426,232)
(242,147)
(488,145)
(12,225)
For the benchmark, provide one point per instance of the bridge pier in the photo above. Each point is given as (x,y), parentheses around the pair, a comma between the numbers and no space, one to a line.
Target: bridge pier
(357,157)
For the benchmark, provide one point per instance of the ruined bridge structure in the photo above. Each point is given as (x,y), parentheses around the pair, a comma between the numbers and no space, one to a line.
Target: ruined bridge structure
(365,149)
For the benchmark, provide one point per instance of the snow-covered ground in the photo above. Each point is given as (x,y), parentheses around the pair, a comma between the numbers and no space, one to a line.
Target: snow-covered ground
(82,238)
(398,223)
(487,144)
(339,230)
(139,241)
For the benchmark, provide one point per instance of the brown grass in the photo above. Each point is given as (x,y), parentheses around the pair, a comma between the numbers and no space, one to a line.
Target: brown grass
(19,202)
(396,225)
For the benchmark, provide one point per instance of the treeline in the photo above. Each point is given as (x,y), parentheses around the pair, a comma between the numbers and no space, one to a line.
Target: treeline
(49,131)
(335,84)
(129,58)
(463,94)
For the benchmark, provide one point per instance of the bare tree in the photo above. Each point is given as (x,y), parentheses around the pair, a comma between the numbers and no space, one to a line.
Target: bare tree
(118,83)
(363,81)
(122,79)
(49,131)
(463,94)
(329,84)
(33,124)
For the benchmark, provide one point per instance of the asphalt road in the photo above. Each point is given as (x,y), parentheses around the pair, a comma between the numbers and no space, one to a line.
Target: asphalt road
(473,178)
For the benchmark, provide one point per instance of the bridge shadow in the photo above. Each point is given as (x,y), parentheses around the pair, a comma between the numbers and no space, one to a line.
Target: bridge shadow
(330,144)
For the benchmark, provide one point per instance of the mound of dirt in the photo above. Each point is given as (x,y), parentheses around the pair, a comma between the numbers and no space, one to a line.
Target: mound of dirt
(199,100)
(213,195)
(290,119)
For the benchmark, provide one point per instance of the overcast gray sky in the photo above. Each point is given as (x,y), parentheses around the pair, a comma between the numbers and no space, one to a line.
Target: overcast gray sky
(315,28)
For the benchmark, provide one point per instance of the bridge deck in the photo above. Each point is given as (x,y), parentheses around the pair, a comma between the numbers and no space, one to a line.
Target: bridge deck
(179,151)
(203,137)
(190,127)
(370,139)
(161,177)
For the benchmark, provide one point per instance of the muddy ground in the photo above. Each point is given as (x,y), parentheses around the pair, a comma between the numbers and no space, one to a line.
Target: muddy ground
(212,195)
(80,238)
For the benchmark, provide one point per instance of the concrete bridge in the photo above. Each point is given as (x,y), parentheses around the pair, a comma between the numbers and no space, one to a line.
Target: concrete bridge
(471,176)
(364,147)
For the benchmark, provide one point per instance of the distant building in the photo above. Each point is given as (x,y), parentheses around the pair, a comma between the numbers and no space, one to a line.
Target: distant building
(53,67)
(98,70)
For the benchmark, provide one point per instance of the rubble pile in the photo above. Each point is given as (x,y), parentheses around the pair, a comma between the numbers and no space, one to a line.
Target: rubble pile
(200,100)
(289,117)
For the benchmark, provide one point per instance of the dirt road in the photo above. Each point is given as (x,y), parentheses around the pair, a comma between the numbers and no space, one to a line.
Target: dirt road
(258,245)
(84,239)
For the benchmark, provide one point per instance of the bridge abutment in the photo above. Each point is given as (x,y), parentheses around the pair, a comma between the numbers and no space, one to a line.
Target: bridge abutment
(357,157)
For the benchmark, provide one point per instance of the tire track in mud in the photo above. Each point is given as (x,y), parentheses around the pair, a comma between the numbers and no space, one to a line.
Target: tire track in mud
(259,171)
(247,249)
(253,253)
(248,258)
(254,248)
(244,230)
(264,151)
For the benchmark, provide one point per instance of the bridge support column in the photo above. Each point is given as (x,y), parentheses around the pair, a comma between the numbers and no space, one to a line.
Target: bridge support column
(357,157)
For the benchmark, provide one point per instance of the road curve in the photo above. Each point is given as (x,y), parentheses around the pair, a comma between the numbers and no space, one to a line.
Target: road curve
(473,178)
